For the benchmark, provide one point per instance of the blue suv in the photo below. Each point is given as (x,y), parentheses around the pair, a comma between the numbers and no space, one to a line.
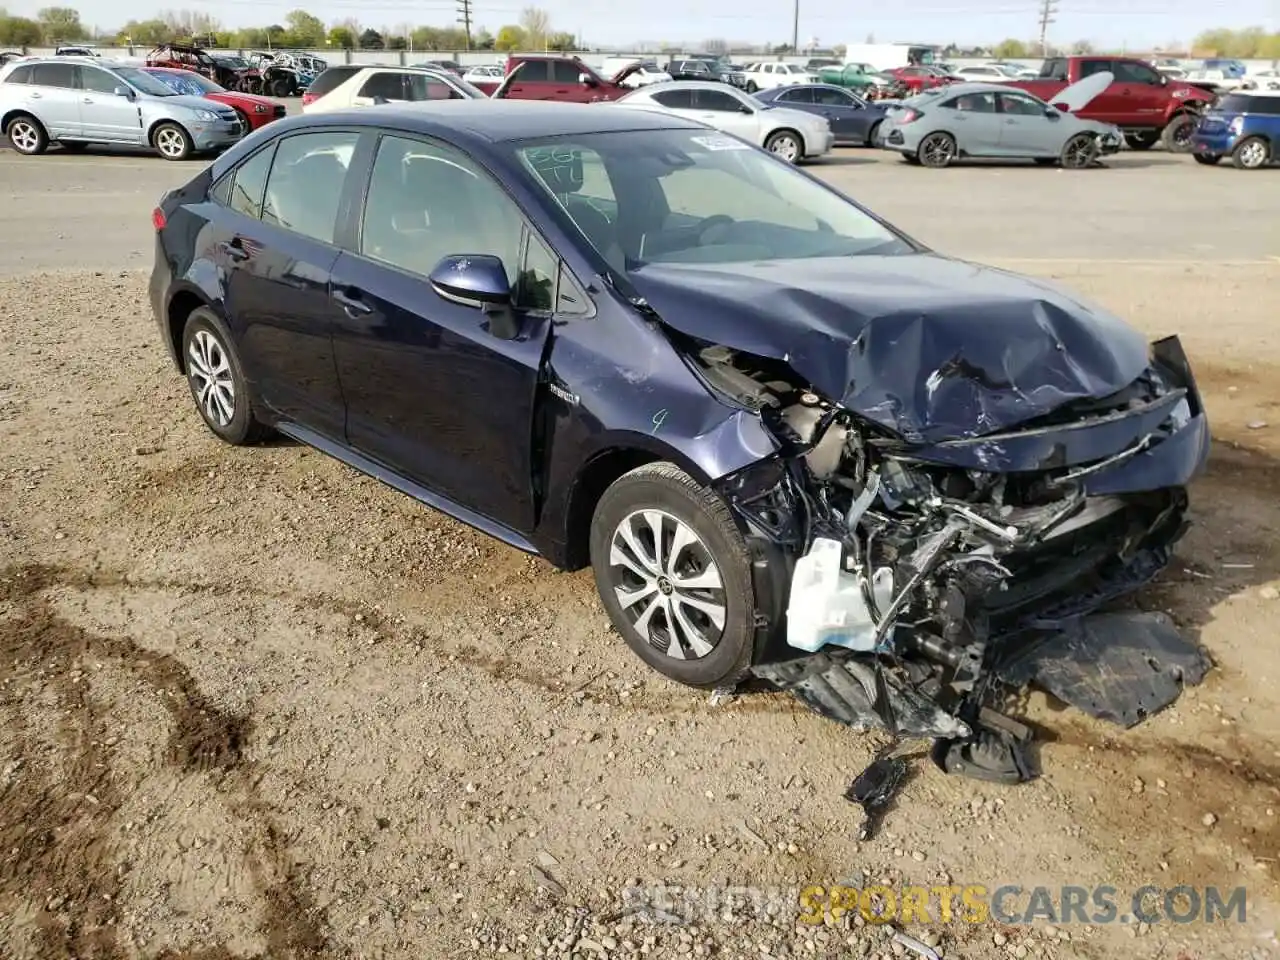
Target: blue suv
(1243,126)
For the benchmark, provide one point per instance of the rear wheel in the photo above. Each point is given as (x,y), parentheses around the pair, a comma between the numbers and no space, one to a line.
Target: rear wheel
(1176,135)
(1250,154)
(674,575)
(937,150)
(27,135)
(1141,141)
(217,380)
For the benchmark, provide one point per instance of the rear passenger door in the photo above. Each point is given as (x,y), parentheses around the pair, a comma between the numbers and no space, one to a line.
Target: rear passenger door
(275,244)
(431,393)
(52,96)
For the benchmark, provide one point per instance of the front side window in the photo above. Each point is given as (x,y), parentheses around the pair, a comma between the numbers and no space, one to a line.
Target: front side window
(646,197)
(799,95)
(423,87)
(533,71)
(427,201)
(719,101)
(1021,105)
(305,185)
(98,81)
(142,81)
(830,97)
(563,71)
(1127,72)
(974,103)
(1089,67)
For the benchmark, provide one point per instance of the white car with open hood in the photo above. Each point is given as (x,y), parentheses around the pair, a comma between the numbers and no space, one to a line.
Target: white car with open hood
(790,134)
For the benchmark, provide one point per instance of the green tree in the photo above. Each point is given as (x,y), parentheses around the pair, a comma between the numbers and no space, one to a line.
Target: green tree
(1010,50)
(564,42)
(61,23)
(481,39)
(342,38)
(20,32)
(509,38)
(371,40)
(305,29)
(535,24)
(145,32)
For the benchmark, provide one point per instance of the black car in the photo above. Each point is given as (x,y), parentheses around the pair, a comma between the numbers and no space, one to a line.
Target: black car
(696,68)
(854,121)
(787,438)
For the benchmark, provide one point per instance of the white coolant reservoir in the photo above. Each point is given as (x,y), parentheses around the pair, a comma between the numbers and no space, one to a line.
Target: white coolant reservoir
(826,606)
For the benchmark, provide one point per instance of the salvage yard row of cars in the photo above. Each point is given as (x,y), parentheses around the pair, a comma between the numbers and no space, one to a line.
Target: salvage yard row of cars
(1073,112)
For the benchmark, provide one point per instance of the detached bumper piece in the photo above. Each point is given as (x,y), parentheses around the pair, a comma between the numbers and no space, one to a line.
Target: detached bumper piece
(1119,667)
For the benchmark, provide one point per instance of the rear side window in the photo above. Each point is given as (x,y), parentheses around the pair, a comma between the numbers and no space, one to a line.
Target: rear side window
(19,75)
(330,79)
(305,185)
(1245,103)
(250,184)
(533,71)
(388,85)
(54,75)
(675,99)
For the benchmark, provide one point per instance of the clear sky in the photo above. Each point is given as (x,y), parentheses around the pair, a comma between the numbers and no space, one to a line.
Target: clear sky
(1135,23)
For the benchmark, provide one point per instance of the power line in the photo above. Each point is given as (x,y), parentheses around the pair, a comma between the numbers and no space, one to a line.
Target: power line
(1047,9)
(464,18)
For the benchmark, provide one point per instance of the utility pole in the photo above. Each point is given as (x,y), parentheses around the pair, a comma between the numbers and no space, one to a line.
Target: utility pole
(464,18)
(795,28)
(1047,9)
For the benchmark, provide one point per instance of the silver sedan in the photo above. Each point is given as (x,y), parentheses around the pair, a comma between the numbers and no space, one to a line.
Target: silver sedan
(987,120)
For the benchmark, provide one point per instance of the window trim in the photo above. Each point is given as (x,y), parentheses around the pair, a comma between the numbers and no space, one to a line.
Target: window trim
(351,211)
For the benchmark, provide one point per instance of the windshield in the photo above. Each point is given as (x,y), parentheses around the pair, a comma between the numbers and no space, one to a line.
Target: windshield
(191,84)
(235,63)
(695,196)
(475,93)
(144,82)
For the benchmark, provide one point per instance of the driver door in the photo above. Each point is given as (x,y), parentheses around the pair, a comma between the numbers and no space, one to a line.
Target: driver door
(1025,131)
(431,393)
(104,115)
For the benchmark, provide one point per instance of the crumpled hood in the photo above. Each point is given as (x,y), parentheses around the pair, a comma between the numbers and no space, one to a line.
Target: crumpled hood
(929,347)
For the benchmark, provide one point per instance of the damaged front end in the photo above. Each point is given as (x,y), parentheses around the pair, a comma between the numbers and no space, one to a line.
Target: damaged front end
(917,577)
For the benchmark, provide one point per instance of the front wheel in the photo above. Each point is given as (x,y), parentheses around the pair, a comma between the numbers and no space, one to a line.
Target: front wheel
(172,142)
(674,575)
(281,87)
(1250,154)
(1079,152)
(786,145)
(217,380)
(1176,135)
(937,150)
(751,86)
(873,134)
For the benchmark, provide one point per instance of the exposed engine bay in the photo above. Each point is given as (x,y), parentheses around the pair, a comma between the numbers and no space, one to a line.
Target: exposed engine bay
(923,579)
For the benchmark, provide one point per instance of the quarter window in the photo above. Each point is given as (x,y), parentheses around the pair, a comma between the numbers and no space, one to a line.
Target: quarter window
(427,202)
(305,185)
(19,75)
(250,183)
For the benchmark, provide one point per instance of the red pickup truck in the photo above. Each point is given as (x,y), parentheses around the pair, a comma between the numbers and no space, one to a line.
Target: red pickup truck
(1148,106)
(532,76)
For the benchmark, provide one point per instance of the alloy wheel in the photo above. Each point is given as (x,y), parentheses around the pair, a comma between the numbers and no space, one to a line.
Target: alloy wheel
(1078,152)
(1252,154)
(785,147)
(211,378)
(24,135)
(171,142)
(667,584)
(938,150)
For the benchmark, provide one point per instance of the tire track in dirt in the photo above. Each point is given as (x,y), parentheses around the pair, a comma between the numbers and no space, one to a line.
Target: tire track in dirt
(56,832)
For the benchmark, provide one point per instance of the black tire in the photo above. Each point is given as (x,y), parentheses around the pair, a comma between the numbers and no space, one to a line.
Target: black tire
(786,144)
(874,133)
(1141,141)
(751,86)
(1079,152)
(242,427)
(1176,136)
(73,146)
(27,135)
(937,150)
(911,158)
(172,142)
(1208,159)
(665,487)
(281,87)
(244,121)
(1251,153)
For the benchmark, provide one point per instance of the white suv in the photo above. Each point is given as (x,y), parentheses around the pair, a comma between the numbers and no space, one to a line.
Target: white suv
(352,85)
(762,76)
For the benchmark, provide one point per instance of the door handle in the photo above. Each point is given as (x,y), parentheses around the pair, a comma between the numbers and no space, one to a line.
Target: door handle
(35,96)
(234,249)
(351,303)
(88,100)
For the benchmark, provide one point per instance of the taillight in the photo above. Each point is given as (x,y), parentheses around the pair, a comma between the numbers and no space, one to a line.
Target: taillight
(909,116)
(308,98)
(1236,125)
(158,219)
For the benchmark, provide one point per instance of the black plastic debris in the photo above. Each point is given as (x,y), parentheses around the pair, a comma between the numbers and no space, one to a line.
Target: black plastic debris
(1121,667)
(874,789)
(998,752)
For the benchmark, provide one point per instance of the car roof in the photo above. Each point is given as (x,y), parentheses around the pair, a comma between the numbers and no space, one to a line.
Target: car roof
(687,85)
(496,120)
(954,88)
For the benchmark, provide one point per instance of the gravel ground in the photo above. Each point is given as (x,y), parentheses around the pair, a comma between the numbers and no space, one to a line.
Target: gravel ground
(257,705)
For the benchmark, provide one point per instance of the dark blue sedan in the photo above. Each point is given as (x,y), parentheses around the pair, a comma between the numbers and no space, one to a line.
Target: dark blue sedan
(854,121)
(788,439)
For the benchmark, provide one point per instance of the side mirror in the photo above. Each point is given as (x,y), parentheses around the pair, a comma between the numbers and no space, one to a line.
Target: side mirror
(123,91)
(1052,114)
(479,281)
(586,80)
